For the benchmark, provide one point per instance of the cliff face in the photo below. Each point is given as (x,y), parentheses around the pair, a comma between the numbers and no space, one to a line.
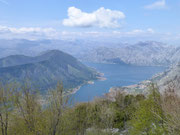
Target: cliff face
(169,79)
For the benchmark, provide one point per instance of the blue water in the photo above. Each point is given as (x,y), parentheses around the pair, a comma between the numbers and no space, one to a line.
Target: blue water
(117,75)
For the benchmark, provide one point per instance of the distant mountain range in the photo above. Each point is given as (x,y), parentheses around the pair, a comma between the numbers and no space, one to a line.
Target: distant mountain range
(34,47)
(45,70)
(143,53)
(148,53)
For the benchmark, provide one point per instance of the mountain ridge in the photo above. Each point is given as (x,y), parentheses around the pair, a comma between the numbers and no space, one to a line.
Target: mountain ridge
(47,69)
(144,53)
(141,54)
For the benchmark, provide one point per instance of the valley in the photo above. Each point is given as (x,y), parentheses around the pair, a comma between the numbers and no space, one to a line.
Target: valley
(89,67)
(116,75)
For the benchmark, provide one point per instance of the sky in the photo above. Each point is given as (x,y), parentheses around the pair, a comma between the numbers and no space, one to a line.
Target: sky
(121,20)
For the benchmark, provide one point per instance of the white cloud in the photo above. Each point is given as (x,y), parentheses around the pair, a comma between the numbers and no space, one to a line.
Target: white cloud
(99,18)
(123,36)
(4,29)
(150,30)
(135,32)
(157,5)
(110,34)
(36,33)
(35,30)
(28,32)
(140,32)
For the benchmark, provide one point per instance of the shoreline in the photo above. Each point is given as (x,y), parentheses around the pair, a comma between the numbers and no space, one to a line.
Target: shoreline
(91,82)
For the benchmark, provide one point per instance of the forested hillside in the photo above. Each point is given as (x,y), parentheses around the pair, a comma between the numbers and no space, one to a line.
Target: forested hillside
(25,112)
(45,70)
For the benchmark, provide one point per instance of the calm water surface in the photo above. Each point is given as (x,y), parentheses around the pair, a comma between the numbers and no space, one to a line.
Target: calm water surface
(117,75)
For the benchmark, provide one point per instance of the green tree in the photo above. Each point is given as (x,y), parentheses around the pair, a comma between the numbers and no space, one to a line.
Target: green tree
(6,106)
(28,111)
(147,119)
(57,104)
(171,109)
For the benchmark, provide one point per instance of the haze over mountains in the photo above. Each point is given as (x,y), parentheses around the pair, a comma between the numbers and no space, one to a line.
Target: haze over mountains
(52,66)
(148,53)
(142,53)
(45,70)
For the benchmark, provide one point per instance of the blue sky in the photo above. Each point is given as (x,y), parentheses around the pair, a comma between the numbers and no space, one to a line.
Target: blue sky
(123,19)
